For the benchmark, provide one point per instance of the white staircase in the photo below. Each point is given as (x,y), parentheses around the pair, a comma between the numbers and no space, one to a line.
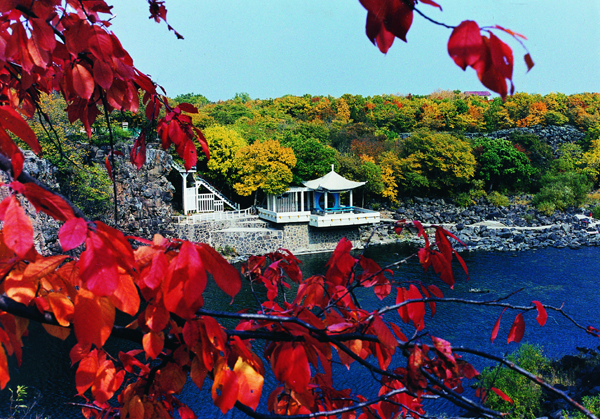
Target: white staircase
(201,181)
(214,201)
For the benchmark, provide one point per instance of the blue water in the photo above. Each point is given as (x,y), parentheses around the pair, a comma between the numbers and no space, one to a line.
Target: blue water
(553,276)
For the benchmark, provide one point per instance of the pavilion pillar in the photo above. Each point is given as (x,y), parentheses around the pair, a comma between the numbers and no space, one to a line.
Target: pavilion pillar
(325,202)
(350,197)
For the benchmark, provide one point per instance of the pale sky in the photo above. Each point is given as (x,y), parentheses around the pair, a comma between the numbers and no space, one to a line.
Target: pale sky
(270,48)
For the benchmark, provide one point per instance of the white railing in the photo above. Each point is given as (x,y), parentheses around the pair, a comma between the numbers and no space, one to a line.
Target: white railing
(213,216)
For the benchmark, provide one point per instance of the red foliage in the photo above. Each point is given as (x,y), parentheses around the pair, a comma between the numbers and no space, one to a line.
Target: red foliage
(491,58)
(159,285)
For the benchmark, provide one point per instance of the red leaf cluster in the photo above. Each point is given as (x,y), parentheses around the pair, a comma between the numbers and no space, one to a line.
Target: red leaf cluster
(491,58)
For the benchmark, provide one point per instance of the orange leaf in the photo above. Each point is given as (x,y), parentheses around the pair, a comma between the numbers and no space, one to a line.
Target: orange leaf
(62,307)
(126,297)
(153,344)
(225,387)
(107,381)
(250,383)
(58,332)
(86,372)
(42,267)
(18,289)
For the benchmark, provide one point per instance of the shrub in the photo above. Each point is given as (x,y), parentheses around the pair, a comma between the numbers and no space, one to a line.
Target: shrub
(591,403)
(497,199)
(527,397)
(596,212)
(555,118)
(546,208)
(563,190)
(464,200)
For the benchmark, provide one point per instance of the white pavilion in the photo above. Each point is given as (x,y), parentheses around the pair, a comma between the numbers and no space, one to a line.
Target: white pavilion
(324,202)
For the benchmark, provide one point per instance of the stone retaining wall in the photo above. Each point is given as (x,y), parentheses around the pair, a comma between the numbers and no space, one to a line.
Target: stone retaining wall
(250,236)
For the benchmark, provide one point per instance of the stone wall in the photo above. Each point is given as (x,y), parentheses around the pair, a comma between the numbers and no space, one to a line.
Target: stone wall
(252,236)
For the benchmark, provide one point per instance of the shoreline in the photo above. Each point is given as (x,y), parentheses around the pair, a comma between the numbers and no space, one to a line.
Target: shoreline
(484,227)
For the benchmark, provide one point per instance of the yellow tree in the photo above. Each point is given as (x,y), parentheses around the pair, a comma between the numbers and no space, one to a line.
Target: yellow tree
(223,144)
(264,165)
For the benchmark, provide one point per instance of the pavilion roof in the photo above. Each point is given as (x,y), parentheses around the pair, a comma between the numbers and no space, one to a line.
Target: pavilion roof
(332,182)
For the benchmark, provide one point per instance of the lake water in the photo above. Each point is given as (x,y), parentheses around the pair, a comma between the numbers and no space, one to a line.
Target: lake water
(552,276)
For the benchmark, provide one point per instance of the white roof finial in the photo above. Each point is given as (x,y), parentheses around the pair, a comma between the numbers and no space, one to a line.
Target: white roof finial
(332,168)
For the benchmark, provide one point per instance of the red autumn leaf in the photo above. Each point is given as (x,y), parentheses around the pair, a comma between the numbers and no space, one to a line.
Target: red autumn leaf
(18,231)
(12,121)
(529,61)
(496,327)
(502,57)
(398,332)
(44,200)
(185,282)
(108,165)
(384,334)
(203,142)
(224,274)
(393,16)
(4,376)
(72,233)
(340,263)
(431,3)
(442,267)
(154,274)
(290,365)
(517,329)
(502,395)
(189,154)
(186,107)
(191,334)
(83,82)
(157,317)
(542,315)
(510,32)
(416,379)
(62,307)
(378,34)
(186,413)
(103,74)
(465,45)
(98,266)
(490,76)
(138,151)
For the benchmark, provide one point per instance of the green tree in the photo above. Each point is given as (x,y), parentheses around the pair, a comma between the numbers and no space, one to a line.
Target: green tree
(264,165)
(501,165)
(308,165)
(443,159)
